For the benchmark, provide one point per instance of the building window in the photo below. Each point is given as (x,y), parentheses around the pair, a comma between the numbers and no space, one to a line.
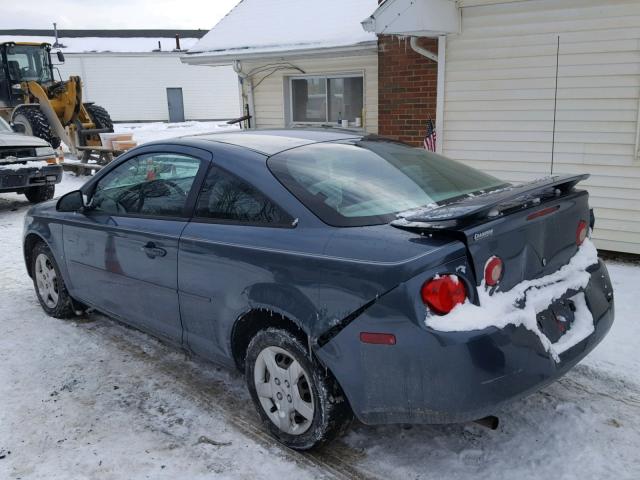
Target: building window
(326,99)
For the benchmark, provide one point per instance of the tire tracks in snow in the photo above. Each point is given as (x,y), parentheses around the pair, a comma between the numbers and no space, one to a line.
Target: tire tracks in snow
(585,379)
(197,382)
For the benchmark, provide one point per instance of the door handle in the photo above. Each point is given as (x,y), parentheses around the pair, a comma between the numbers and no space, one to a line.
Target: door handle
(152,251)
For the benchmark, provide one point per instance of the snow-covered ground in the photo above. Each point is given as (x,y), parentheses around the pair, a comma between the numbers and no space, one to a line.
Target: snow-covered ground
(92,399)
(147,132)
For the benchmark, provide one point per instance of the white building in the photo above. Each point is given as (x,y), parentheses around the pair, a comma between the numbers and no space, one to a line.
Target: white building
(137,75)
(531,87)
(300,62)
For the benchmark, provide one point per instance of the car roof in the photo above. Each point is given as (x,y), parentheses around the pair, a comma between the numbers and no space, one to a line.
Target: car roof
(270,142)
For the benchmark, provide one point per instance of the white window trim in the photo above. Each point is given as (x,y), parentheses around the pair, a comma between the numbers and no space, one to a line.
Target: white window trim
(326,77)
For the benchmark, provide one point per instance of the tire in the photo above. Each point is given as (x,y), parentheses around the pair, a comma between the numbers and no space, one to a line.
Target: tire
(99,116)
(36,124)
(40,194)
(50,288)
(301,404)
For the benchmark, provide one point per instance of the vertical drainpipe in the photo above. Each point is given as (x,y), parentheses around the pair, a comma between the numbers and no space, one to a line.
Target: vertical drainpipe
(636,157)
(244,78)
(442,47)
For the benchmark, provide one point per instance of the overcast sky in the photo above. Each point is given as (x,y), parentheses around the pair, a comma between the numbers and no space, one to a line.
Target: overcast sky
(187,14)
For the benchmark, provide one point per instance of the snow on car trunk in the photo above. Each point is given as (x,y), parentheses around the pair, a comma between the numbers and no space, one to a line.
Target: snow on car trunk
(522,304)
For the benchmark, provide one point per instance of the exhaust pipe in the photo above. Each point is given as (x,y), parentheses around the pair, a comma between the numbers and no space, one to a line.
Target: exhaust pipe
(492,422)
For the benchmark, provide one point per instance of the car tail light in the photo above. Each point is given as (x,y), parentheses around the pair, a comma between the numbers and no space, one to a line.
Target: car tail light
(441,294)
(378,338)
(581,233)
(493,271)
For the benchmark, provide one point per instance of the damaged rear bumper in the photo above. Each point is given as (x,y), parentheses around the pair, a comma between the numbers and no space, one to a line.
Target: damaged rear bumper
(431,376)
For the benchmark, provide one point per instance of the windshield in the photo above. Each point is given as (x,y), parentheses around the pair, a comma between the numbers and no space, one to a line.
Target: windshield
(367,182)
(4,126)
(28,62)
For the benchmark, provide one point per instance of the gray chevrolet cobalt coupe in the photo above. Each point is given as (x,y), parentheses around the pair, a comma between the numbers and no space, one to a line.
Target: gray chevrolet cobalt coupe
(344,274)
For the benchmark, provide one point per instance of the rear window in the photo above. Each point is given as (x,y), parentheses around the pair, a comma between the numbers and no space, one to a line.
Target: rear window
(368,182)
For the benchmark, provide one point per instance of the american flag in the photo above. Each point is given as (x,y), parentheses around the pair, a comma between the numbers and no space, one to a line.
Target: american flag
(430,137)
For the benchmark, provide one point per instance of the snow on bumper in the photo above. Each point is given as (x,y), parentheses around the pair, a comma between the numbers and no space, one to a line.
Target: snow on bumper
(30,174)
(522,304)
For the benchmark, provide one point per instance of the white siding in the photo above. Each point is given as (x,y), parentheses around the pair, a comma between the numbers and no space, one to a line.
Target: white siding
(269,96)
(499,99)
(132,87)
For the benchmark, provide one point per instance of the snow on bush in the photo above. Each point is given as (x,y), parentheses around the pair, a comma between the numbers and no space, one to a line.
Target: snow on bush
(505,308)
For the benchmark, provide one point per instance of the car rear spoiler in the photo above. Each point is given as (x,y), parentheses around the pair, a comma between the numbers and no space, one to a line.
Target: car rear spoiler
(479,208)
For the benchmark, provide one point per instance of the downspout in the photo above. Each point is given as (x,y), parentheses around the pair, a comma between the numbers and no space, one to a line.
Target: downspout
(440,59)
(422,51)
(243,77)
(637,150)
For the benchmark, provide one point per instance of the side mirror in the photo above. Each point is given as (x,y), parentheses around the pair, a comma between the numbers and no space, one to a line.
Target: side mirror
(18,128)
(71,202)
(60,56)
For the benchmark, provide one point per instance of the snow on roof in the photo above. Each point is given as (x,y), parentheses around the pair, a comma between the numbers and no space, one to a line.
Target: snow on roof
(262,26)
(105,44)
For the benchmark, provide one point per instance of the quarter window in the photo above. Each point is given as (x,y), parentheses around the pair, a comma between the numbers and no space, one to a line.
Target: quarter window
(326,99)
(156,184)
(227,198)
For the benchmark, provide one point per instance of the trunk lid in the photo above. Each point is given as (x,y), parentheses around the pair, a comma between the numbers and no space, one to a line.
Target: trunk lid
(532,227)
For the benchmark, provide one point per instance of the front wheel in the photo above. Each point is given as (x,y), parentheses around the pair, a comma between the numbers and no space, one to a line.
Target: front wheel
(47,280)
(36,124)
(298,400)
(40,194)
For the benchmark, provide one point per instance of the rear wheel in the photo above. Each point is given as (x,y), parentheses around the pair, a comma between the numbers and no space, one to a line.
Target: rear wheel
(40,194)
(47,280)
(36,124)
(298,400)
(99,116)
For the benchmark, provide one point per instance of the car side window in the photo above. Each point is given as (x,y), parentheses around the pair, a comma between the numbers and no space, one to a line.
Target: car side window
(225,197)
(155,184)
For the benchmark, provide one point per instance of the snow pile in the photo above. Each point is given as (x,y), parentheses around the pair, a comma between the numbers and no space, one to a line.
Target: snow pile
(280,25)
(149,132)
(502,308)
(152,131)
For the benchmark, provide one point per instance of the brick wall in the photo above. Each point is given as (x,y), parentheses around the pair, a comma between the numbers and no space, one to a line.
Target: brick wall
(407,84)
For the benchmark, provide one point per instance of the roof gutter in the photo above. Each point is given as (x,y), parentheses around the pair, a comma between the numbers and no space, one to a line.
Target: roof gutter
(228,57)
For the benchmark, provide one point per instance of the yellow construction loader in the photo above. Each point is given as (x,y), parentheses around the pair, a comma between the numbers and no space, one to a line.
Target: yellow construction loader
(35,103)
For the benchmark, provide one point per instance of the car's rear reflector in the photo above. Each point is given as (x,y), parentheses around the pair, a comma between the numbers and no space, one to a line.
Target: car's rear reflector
(493,271)
(581,232)
(378,338)
(442,294)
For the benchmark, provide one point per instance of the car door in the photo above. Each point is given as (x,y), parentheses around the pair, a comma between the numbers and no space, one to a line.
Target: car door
(226,254)
(122,251)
